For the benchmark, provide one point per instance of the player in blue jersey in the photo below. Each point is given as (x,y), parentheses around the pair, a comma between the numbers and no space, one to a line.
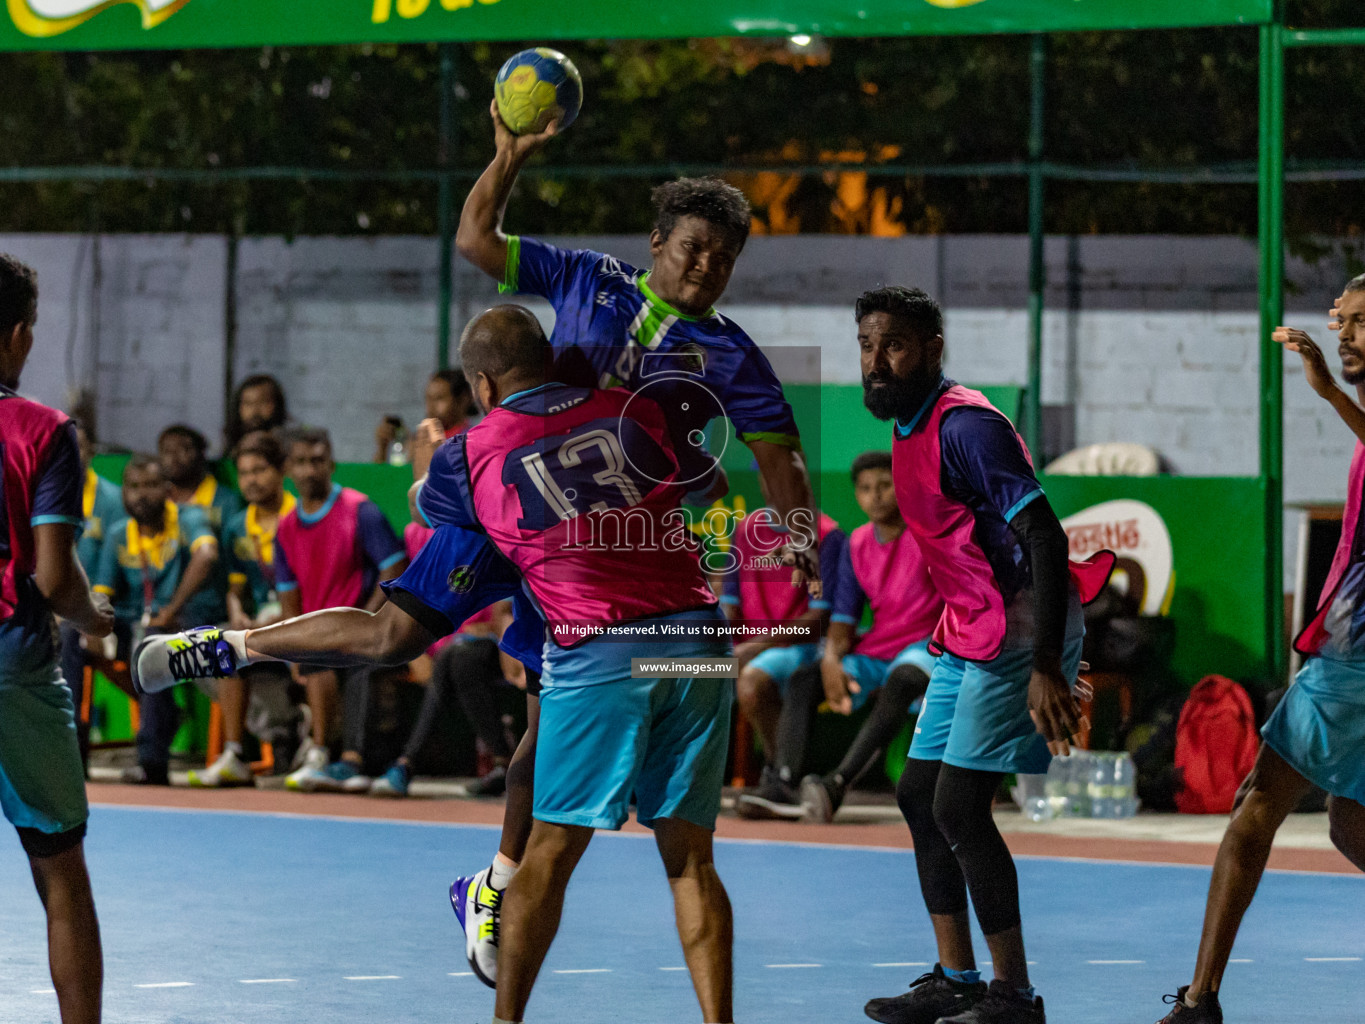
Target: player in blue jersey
(655,331)
(42,783)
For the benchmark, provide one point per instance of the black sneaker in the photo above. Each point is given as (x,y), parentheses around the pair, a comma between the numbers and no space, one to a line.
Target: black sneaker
(1002,1005)
(772,798)
(1207,1011)
(820,798)
(492,784)
(930,997)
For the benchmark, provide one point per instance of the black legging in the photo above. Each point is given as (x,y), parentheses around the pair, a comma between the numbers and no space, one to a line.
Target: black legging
(957,846)
(805,691)
(469,672)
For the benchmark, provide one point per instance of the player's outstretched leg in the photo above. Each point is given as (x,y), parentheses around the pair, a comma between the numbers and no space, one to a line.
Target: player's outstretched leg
(162,660)
(477,899)
(1274,790)
(954,984)
(531,910)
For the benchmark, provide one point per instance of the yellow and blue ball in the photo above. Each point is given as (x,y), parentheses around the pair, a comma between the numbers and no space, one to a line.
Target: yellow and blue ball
(536,86)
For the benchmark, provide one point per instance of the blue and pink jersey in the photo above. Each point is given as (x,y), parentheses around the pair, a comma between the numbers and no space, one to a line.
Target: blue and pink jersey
(334,556)
(40,482)
(611,330)
(961,474)
(760,585)
(579,489)
(892,577)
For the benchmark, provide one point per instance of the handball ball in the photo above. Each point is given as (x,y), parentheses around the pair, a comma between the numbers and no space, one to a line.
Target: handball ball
(536,86)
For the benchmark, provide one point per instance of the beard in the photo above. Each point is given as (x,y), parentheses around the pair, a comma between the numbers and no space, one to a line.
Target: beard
(897,398)
(1355,378)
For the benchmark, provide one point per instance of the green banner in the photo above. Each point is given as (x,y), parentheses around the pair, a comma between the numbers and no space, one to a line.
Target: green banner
(176,24)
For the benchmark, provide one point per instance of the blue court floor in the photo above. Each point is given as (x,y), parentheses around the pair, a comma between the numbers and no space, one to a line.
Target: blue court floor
(260,919)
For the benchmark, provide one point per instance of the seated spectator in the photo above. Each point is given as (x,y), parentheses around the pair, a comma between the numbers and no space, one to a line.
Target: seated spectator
(102,507)
(470,671)
(152,565)
(257,404)
(448,400)
(881,566)
(249,555)
(183,452)
(332,550)
(758,592)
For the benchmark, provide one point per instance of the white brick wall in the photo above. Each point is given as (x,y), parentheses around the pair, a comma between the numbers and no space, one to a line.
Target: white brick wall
(1151,339)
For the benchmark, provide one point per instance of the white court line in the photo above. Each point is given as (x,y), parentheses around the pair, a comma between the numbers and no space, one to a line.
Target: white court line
(461,974)
(1332,959)
(1241,961)
(42,991)
(1110,962)
(167,984)
(911,963)
(586,970)
(374,977)
(265,981)
(784,966)
(672,968)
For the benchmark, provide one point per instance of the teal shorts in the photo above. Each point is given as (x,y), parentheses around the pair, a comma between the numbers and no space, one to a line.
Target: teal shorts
(975,713)
(604,735)
(780,663)
(1319,726)
(42,782)
(870,673)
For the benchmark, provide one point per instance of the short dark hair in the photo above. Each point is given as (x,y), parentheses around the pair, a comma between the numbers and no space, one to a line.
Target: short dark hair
(309,436)
(870,460)
(198,440)
(141,460)
(710,199)
(263,444)
(914,306)
(1355,284)
(18,293)
(505,339)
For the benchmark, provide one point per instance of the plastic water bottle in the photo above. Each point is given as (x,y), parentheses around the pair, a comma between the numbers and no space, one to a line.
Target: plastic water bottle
(1055,787)
(398,451)
(1100,785)
(1125,787)
(1033,800)
(1077,788)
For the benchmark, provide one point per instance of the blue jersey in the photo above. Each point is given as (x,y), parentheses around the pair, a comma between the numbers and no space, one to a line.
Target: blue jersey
(611,330)
(456,574)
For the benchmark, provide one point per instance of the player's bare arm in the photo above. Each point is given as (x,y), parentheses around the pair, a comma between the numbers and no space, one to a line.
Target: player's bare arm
(787,485)
(1319,376)
(838,684)
(63,583)
(480,237)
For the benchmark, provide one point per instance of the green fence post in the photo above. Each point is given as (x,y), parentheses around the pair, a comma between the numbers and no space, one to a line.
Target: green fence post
(1037,272)
(445,220)
(1271,232)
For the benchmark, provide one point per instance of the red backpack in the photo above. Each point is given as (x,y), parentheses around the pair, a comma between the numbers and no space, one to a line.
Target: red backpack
(1215,746)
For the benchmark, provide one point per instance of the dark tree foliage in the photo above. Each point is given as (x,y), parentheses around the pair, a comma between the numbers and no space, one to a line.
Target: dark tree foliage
(1172,100)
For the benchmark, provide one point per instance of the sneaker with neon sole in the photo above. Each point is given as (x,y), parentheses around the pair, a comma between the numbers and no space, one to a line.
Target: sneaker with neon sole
(161,660)
(228,770)
(477,905)
(313,771)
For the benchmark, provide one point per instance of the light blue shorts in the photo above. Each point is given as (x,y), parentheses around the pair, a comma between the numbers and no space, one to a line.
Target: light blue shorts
(870,673)
(1319,726)
(42,782)
(975,713)
(780,663)
(604,735)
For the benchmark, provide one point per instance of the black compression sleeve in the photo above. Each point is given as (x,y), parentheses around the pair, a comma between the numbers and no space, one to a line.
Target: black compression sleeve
(1042,536)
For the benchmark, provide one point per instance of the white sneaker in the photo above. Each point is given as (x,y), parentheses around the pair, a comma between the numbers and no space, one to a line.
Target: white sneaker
(228,770)
(312,775)
(478,906)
